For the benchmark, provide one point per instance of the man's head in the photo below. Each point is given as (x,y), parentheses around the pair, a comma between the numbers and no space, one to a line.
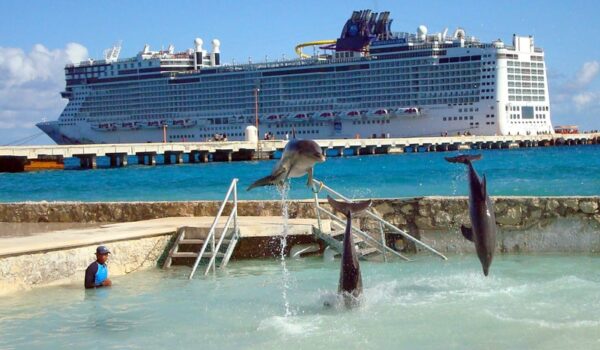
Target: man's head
(102,254)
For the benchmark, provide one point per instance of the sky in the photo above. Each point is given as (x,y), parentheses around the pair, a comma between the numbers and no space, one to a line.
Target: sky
(37,38)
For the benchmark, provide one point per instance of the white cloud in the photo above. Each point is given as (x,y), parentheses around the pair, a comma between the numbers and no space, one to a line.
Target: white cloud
(30,84)
(575,99)
(586,99)
(587,73)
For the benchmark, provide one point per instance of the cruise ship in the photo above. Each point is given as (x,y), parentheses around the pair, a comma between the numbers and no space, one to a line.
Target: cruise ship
(371,82)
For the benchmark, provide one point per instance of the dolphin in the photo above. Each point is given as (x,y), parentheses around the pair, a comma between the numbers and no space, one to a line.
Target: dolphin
(481,212)
(298,158)
(350,285)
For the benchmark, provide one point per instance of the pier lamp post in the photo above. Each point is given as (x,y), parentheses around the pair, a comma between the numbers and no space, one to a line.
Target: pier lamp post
(256,91)
(164,133)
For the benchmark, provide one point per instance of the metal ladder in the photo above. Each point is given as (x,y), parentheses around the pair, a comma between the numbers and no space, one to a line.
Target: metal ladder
(367,245)
(212,246)
(216,246)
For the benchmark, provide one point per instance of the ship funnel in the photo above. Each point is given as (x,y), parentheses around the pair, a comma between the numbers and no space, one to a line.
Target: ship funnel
(422,32)
(215,56)
(216,44)
(198,55)
(198,44)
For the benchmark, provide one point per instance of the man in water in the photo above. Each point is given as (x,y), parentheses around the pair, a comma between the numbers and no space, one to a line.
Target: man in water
(96,275)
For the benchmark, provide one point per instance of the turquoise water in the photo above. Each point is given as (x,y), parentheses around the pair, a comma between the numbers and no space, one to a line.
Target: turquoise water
(532,171)
(528,302)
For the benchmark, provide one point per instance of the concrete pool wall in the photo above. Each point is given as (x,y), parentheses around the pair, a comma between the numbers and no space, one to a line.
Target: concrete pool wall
(425,213)
(526,225)
(67,266)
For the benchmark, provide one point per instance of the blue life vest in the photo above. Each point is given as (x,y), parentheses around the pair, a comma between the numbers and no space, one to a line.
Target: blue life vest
(101,274)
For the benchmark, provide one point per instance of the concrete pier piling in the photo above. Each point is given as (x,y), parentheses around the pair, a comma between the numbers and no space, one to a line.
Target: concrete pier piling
(146,158)
(86,161)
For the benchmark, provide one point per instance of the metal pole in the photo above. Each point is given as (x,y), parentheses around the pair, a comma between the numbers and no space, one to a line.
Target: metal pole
(317,208)
(382,241)
(361,233)
(164,133)
(256,90)
(387,224)
(235,203)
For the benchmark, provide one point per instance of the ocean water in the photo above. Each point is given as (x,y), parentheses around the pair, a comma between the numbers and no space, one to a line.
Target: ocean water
(532,171)
(527,302)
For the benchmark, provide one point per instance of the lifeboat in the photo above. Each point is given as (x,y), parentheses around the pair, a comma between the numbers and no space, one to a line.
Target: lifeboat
(234,119)
(378,113)
(353,114)
(154,124)
(298,117)
(104,127)
(408,111)
(274,118)
(129,126)
(325,116)
(182,123)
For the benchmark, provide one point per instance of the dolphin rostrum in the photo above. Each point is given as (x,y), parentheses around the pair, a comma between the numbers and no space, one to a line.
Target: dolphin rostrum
(298,158)
(350,285)
(481,212)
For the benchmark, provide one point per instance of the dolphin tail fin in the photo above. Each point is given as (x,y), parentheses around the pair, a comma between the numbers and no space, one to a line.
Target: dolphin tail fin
(348,207)
(463,158)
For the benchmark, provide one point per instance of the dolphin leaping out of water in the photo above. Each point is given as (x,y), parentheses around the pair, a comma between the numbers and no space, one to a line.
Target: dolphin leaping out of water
(298,158)
(481,212)
(350,285)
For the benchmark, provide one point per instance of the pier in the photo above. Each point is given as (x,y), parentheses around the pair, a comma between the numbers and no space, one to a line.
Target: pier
(28,158)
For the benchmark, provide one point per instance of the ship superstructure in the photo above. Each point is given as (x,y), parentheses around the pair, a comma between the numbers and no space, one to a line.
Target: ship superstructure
(370,82)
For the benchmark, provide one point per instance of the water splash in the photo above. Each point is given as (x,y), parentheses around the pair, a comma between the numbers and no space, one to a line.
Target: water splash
(285,282)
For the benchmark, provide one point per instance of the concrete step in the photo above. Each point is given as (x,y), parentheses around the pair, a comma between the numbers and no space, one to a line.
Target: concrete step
(191,241)
(368,251)
(194,255)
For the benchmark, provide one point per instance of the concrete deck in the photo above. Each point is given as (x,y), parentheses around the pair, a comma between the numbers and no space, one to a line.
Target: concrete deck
(250,226)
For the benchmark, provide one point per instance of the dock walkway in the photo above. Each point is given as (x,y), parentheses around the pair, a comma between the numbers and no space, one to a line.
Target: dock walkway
(24,158)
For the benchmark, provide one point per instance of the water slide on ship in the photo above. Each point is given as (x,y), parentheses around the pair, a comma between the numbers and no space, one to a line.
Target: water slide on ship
(311,43)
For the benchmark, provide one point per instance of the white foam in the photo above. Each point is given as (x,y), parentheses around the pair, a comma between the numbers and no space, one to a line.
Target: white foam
(548,324)
(293,326)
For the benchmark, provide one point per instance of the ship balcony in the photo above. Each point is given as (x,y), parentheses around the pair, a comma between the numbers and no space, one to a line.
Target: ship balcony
(66,94)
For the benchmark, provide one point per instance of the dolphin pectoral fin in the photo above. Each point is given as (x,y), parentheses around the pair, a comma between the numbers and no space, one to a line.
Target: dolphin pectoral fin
(309,181)
(467,232)
(483,187)
(271,180)
(265,181)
